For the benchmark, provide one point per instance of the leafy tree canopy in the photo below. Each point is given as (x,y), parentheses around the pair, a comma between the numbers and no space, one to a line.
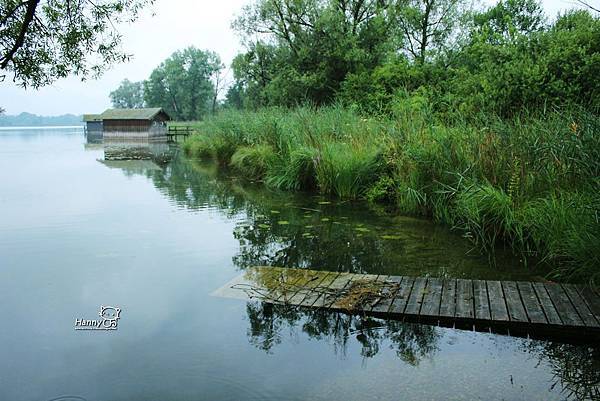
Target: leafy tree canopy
(129,95)
(182,84)
(44,40)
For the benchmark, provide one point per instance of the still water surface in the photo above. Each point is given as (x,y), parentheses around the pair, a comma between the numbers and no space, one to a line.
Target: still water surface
(83,225)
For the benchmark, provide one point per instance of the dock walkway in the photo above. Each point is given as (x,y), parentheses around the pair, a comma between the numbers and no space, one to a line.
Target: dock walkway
(480,304)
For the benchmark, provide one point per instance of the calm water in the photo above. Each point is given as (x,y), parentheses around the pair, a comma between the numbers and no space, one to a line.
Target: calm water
(82,225)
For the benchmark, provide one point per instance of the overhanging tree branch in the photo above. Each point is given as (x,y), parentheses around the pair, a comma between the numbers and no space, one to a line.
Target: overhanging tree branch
(29,15)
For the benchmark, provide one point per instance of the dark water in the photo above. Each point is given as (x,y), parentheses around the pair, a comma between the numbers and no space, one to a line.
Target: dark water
(83,225)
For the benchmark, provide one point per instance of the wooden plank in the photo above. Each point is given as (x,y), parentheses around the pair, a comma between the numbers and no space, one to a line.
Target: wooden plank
(401,298)
(498,308)
(388,294)
(468,300)
(534,310)
(546,304)
(314,290)
(563,306)
(292,281)
(516,310)
(591,299)
(580,305)
(432,298)
(324,299)
(464,299)
(341,282)
(362,279)
(482,303)
(415,299)
(448,302)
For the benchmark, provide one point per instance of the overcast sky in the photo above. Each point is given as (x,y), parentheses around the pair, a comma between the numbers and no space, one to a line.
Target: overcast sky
(175,25)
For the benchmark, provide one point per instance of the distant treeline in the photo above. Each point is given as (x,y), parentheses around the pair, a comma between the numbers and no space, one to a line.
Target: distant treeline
(33,120)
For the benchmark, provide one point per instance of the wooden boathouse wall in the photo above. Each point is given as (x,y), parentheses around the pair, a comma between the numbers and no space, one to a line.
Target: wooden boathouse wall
(135,124)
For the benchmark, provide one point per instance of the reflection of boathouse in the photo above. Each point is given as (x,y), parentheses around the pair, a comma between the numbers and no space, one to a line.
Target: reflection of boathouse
(149,123)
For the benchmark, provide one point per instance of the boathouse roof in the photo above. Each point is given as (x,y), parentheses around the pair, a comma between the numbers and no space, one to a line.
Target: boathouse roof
(133,114)
(91,117)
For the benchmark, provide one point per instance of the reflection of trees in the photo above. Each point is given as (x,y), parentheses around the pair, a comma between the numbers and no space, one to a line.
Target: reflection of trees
(351,238)
(412,342)
(263,241)
(576,368)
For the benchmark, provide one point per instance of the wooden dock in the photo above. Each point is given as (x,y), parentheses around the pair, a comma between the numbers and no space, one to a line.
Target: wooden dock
(174,131)
(519,308)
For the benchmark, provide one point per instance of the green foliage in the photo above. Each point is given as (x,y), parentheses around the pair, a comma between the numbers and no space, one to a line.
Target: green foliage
(566,228)
(528,182)
(44,40)
(310,48)
(504,72)
(252,161)
(500,60)
(182,84)
(129,95)
(485,213)
(346,170)
(384,190)
(295,170)
(486,120)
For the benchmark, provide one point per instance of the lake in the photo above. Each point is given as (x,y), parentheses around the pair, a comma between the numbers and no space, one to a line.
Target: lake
(140,227)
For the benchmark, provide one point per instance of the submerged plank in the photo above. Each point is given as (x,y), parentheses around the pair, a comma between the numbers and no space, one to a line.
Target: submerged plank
(254,283)
(489,305)
(291,281)
(311,298)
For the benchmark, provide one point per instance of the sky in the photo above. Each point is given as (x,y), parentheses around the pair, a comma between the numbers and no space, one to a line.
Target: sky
(176,24)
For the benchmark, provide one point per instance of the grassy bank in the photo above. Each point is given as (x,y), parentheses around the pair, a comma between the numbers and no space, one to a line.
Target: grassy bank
(531,183)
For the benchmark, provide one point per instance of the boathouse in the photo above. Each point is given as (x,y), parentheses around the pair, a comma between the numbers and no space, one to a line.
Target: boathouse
(150,123)
(93,123)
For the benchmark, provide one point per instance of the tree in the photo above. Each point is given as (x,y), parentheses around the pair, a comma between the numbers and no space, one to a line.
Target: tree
(182,83)
(428,25)
(219,83)
(44,40)
(129,95)
(509,19)
(302,50)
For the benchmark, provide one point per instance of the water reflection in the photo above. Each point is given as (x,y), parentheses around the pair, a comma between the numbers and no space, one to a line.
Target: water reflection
(576,368)
(268,323)
(76,233)
(300,230)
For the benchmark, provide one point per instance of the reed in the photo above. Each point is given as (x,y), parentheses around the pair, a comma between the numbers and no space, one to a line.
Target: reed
(531,183)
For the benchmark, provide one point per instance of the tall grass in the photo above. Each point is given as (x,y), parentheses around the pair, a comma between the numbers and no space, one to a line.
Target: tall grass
(531,183)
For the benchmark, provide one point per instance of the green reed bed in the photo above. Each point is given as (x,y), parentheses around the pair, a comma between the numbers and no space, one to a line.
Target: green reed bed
(531,183)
